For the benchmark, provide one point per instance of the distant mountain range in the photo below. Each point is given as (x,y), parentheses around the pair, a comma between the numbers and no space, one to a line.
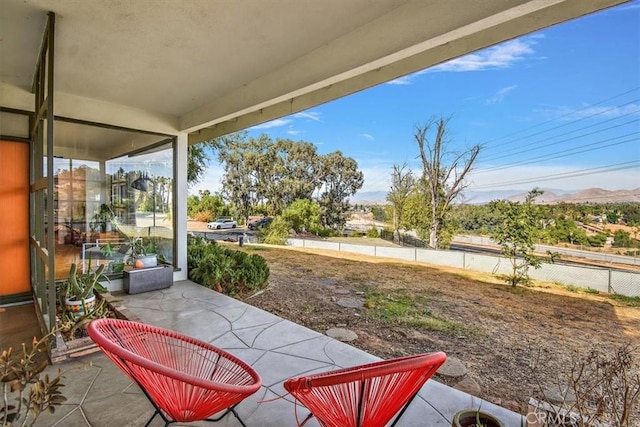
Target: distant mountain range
(550,196)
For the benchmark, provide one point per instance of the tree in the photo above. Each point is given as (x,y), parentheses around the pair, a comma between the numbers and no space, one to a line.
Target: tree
(297,174)
(517,236)
(206,206)
(197,161)
(443,172)
(613,217)
(622,239)
(415,215)
(402,183)
(303,214)
(266,176)
(566,230)
(247,165)
(340,178)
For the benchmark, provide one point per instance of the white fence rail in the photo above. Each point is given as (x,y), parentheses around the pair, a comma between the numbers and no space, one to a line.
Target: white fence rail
(599,278)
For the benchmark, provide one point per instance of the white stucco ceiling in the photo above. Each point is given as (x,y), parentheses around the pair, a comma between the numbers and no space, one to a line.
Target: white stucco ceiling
(213,66)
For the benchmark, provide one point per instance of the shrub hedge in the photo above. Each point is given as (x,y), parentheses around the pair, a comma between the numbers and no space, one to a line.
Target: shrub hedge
(226,270)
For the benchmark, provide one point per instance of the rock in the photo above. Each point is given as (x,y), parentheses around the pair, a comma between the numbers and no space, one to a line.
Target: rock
(452,368)
(558,395)
(468,385)
(350,302)
(341,334)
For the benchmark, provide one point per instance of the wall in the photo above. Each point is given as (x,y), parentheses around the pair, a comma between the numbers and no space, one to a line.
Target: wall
(602,279)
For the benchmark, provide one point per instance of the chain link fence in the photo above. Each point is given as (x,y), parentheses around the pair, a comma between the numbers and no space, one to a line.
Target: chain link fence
(612,280)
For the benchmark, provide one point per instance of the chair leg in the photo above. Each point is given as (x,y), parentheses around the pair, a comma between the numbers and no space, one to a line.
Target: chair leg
(404,409)
(224,414)
(306,419)
(158,411)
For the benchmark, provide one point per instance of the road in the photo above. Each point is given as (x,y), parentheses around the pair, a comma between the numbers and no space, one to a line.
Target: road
(575,257)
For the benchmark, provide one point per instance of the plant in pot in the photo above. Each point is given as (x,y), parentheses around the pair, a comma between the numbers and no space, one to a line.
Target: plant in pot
(103,219)
(475,418)
(79,292)
(143,255)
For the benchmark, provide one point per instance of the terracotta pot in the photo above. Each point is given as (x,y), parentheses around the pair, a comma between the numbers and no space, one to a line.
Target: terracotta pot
(469,418)
(77,308)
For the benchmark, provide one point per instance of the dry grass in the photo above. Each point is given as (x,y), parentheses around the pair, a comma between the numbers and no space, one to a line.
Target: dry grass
(494,329)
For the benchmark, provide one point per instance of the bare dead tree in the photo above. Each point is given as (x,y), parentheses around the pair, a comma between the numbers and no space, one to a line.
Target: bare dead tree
(443,172)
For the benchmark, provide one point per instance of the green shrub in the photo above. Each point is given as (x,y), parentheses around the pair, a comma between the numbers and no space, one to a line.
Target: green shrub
(573,288)
(373,233)
(321,232)
(277,233)
(226,270)
(597,241)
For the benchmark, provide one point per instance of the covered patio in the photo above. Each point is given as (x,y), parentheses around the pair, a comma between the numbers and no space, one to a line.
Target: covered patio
(100,395)
(108,93)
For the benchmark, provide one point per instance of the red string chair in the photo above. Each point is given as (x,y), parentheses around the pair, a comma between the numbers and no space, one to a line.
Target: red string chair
(366,395)
(184,378)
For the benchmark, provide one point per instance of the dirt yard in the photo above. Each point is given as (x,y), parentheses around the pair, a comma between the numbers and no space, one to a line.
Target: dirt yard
(396,308)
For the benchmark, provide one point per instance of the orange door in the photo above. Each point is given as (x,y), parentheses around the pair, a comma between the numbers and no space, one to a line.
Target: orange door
(14,218)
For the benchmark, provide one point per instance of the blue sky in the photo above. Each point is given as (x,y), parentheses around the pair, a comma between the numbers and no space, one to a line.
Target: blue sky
(559,108)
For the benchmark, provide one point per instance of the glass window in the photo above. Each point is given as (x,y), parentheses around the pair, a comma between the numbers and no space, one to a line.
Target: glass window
(105,201)
(141,187)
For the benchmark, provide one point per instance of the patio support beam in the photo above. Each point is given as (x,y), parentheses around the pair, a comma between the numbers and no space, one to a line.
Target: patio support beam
(180,207)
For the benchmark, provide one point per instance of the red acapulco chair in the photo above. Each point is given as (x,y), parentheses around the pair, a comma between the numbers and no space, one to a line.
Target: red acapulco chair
(367,395)
(185,379)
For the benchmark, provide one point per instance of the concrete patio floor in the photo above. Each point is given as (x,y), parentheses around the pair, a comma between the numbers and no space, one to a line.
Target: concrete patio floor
(100,395)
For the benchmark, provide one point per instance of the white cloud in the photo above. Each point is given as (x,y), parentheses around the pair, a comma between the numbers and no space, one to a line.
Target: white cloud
(273,124)
(293,131)
(500,95)
(496,57)
(368,136)
(404,80)
(311,115)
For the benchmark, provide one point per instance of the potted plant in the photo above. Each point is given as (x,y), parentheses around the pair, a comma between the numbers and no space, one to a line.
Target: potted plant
(103,219)
(143,255)
(79,293)
(475,418)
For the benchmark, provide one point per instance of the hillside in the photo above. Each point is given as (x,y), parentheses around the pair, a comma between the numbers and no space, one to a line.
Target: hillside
(550,196)
(591,195)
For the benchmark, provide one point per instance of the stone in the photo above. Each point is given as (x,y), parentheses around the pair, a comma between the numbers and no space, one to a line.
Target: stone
(468,385)
(349,302)
(341,334)
(453,368)
(559,394)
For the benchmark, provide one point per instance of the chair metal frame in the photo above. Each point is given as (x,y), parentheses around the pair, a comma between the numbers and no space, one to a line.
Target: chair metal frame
(366,395)
(185,379)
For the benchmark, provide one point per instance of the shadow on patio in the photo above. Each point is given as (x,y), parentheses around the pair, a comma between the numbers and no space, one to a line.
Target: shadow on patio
(99,394)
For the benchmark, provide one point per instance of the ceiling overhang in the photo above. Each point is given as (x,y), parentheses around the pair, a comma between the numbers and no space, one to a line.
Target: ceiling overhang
(210,67)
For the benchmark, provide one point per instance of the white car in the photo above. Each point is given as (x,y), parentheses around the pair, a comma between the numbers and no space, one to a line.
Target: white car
(222,223)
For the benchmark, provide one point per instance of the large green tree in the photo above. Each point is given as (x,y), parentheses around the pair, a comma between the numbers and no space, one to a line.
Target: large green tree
(340,179)
(443,171)
(303,215)
(266,175)
(295,173)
